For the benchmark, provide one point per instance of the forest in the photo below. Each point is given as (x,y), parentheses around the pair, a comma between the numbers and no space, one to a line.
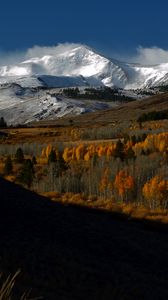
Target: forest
(128,174)
(103,94)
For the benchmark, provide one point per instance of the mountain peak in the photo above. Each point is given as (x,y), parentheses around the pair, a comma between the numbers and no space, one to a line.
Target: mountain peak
(74,60)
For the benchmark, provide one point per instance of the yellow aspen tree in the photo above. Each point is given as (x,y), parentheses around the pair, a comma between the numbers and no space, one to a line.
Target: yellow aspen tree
(73,156)
(67,154)
(79,152)
(48,150)
(101,151)
(124,184)
(163,189)
(92,149)
(87,156)
(43,153)
(110,150)
(104,182)
(155,192)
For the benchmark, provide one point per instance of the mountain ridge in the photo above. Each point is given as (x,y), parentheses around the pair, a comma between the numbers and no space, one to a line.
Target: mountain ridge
(29,90)
(81,60)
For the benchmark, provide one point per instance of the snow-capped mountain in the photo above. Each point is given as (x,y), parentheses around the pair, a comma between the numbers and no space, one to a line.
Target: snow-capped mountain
(80,65)
(28,89)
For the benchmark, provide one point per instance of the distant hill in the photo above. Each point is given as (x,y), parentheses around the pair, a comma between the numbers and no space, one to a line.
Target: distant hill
(121,113)
(67,252)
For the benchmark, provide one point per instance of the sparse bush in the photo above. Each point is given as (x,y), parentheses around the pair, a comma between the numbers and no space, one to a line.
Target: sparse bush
(7,288)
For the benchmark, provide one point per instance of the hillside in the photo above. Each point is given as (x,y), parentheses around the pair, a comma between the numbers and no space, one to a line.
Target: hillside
(121,113)
(122,117)
(129,111)
(67,252)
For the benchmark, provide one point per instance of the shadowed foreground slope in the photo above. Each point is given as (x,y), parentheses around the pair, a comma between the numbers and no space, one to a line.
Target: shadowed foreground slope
(67,252)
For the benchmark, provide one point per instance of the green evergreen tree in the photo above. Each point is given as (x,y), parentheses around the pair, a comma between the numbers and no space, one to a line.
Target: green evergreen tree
(126,138)
(58,166)
(130,154)
(2,123)
(119,150)
(8,168)
(34,161)
(61,162)
(143,152)
(134,139)
(52,156)
(27,173)
(19,156)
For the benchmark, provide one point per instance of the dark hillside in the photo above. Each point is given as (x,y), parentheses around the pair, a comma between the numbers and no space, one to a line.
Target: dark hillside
(67,252)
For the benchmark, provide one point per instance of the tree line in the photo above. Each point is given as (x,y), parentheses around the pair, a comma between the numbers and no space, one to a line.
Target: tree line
(134,170)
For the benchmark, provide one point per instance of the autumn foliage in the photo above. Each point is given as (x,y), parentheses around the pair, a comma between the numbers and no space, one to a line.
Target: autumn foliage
(124,184)
(153,142)
(129,170)
(155,192)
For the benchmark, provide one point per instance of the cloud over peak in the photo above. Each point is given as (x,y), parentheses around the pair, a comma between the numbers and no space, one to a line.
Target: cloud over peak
(150,56)
(10,58)
(143,56)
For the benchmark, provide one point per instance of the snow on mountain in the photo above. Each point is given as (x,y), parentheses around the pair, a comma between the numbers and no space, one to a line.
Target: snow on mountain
(145,76)
(27,88)
(20,105)
(80,65)
(94,68)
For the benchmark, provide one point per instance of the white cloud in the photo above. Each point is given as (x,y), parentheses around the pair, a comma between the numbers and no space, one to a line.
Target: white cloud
(38,51)
(150,56)
(10,58)
(145,56)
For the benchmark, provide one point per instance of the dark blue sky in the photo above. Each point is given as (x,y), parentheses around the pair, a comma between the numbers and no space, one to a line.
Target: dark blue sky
(109,26)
